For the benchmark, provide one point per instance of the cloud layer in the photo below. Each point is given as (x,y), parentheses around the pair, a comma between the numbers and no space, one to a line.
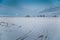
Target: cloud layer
(25,7)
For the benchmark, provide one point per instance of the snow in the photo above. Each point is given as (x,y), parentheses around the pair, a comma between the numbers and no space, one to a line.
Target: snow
(29,28)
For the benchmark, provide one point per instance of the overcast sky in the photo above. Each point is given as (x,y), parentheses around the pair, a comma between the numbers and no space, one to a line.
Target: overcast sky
(25,7)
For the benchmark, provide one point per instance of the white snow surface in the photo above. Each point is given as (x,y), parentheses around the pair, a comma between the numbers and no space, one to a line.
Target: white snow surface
(27,28)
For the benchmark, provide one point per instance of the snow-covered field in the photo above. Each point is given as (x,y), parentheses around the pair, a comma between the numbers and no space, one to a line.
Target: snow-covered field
(27,28)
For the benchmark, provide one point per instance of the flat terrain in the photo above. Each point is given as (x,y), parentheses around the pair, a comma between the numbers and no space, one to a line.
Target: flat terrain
(29,28)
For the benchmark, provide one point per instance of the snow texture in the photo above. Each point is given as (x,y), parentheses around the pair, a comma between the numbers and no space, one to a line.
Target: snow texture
(19,28)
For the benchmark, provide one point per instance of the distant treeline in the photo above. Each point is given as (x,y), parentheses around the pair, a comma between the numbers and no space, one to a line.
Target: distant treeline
(33,16)
(41,16)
